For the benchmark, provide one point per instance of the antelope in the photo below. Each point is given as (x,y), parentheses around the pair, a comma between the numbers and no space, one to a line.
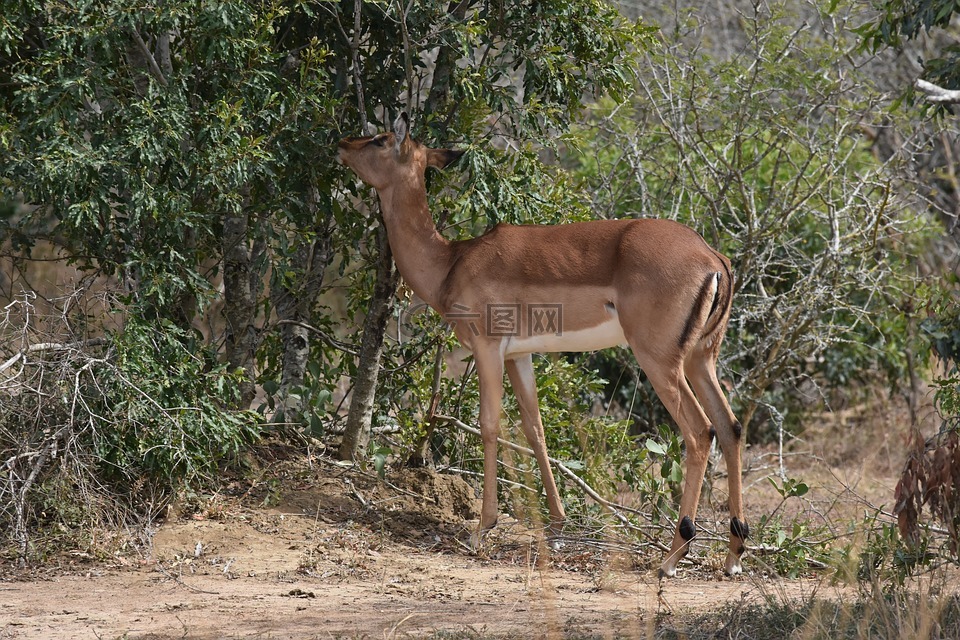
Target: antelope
(652,284)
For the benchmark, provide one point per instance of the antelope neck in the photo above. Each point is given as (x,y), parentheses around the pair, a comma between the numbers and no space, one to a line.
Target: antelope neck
(421,253)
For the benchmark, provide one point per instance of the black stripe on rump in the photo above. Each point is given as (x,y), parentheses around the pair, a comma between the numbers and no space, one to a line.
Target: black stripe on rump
(697,310)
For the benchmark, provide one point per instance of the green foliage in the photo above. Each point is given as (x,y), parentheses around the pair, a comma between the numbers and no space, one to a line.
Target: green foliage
(515,188)
(563,51)
(790,546)
(662,494)
(897,20)
(133,159)
(895,23)
(791,488)
(794,545)
(875,553)
(942,328)
(327,365)
(167,402)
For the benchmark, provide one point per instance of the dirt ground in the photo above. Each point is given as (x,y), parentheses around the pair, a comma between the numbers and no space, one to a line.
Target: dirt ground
(323,551)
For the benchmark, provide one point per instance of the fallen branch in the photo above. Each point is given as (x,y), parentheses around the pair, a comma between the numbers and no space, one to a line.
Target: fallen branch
(180,581)
(51,346)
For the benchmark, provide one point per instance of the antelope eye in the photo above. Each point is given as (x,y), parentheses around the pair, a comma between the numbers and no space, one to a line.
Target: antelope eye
(377,140)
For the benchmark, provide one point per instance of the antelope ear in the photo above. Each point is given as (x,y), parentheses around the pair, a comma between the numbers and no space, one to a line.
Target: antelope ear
(443,158)
(401,126)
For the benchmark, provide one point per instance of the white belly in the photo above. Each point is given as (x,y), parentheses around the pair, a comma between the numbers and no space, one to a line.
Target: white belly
(602,336)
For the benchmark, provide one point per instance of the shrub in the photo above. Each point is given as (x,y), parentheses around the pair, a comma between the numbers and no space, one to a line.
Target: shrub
(104,430)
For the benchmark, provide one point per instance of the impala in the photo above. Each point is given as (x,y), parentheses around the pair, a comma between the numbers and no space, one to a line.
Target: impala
(654,285)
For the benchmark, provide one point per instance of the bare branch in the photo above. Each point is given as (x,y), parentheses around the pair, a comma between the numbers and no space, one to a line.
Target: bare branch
(407,56)
(357,76)
(51,346)
(148,56)
(937,94)
(333,342)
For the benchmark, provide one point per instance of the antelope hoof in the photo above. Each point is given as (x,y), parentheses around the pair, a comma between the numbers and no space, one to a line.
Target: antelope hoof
(477,536)
(738,529)
(732,566)
(553,540)
(667,570)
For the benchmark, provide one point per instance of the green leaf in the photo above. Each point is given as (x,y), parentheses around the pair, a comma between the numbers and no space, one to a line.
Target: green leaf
(655,447)
(271,387)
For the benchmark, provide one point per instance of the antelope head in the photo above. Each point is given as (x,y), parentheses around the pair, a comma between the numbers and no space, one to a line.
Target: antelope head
(392,158)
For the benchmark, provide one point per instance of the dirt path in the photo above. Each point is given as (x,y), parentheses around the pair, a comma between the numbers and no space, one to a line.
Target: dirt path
(247,583)
(311,552)
(343,556)
(412,594)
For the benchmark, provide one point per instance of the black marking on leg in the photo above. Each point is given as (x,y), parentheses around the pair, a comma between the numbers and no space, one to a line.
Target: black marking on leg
(687,529)
(713,433)
(737,429)
(739,528)
(740,550)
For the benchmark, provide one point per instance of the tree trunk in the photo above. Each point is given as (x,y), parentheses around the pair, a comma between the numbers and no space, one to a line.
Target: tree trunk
(242,285)
(359,419)
(444,68)
(293,302)
(422,455)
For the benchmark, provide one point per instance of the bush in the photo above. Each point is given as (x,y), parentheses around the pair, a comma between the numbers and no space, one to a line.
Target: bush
(105,430)
(931,474)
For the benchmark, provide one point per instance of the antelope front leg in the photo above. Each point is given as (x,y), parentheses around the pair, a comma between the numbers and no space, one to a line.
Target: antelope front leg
(490,373)
(524,383)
